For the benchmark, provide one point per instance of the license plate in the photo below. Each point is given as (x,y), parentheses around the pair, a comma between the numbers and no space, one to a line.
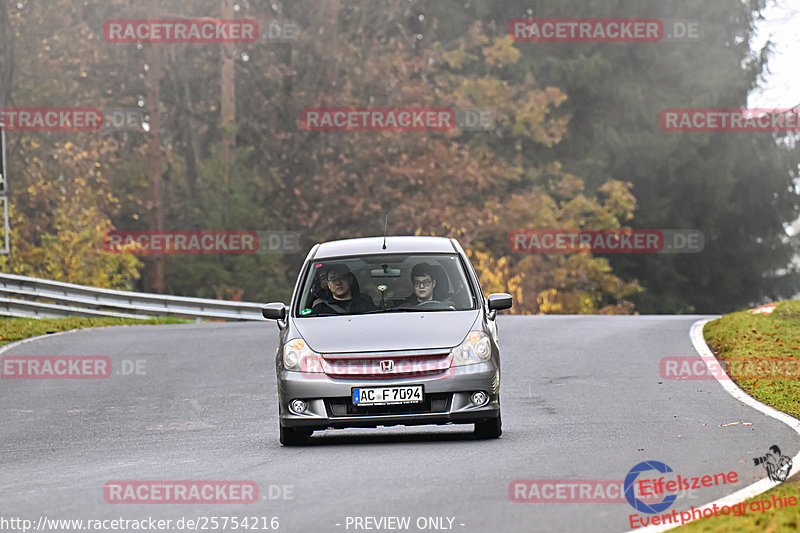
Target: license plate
(387,395)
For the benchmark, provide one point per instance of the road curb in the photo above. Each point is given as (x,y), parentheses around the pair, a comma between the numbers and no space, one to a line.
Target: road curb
(20,342)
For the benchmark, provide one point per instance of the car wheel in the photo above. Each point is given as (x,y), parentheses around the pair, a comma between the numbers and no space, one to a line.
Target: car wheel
(293,437)
(489,429)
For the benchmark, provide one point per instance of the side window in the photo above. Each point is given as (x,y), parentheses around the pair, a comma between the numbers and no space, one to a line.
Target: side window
(312,288)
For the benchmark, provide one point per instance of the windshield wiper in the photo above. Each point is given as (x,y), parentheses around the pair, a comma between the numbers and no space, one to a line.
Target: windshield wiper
(393,310)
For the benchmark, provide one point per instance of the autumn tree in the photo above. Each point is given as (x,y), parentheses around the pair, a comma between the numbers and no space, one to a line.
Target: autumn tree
(60,219)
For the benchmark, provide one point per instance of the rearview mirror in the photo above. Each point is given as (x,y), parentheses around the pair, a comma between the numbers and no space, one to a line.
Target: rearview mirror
(385,272)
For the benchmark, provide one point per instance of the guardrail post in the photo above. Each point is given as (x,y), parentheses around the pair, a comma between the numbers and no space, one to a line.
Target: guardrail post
(6,249)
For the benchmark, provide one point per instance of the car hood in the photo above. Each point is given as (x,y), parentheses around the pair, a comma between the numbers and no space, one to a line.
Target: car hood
(386,331)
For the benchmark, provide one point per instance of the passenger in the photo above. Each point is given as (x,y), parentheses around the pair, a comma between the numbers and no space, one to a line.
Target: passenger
(346,297)
(424,284)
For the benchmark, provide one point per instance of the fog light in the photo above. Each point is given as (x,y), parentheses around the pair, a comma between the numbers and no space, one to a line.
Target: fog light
(297,406)
(479,398)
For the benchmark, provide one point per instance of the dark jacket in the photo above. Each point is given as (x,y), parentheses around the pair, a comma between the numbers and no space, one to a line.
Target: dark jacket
(359,303)
(411,301)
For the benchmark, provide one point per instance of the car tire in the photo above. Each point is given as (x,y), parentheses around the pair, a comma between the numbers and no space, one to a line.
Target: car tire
(293,437)
(489,429)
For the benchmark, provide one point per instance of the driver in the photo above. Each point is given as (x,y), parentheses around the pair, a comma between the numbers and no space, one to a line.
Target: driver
(319,287)
(422,279)
(346,298)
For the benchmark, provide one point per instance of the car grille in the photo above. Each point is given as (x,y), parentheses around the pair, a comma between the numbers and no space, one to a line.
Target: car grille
(433,403)
(387,365)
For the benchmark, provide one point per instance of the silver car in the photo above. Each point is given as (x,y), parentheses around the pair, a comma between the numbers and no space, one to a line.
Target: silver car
(387,331)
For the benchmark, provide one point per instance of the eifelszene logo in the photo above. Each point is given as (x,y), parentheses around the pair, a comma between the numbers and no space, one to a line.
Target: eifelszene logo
(638,504)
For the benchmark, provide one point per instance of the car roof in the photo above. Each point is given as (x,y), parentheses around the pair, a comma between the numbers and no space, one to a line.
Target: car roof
(374,246)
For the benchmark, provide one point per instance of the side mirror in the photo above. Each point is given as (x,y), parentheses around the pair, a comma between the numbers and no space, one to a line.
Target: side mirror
(275,311)
(499,301)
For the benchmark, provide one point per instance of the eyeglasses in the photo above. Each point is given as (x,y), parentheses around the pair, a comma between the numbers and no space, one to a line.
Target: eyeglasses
(336,279)
(423,284)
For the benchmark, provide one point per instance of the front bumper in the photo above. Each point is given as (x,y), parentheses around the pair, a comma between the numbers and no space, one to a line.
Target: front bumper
(446,399)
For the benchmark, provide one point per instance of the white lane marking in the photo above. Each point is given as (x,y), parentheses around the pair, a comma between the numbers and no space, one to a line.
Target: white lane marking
(20,342)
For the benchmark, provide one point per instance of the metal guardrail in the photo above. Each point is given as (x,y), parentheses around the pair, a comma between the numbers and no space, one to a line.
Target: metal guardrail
(21,296)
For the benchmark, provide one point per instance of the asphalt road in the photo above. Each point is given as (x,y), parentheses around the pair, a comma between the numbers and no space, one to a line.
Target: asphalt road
(582,399)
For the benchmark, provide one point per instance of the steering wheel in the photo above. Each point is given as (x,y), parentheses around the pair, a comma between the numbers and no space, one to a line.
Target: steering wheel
(427,303)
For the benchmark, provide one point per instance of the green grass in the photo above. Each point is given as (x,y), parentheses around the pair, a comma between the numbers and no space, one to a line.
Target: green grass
(746,335)
(14,329)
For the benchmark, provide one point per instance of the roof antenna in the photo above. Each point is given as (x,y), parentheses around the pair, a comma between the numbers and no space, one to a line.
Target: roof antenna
(385,225)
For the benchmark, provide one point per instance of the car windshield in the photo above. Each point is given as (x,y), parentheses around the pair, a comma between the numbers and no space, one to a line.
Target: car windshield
(385,284)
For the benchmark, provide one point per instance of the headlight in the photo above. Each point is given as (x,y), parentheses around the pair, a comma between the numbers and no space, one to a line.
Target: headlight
(476,348)
(298,357)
